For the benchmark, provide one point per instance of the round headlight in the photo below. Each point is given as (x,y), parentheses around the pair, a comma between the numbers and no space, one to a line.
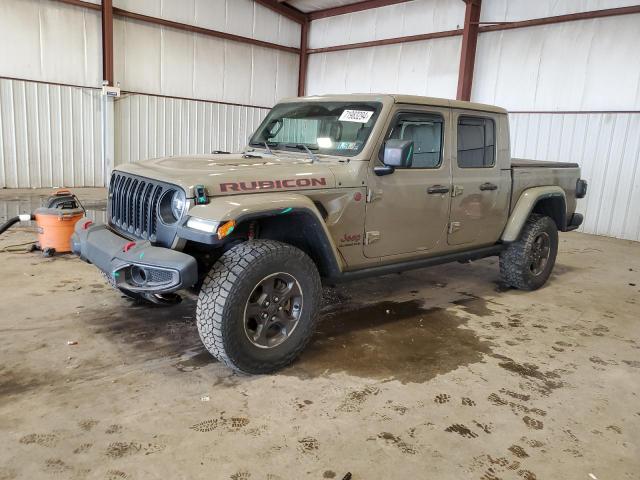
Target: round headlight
(178,202)
(172,206)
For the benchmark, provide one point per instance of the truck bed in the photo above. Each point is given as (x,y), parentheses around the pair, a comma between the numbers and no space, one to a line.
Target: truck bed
(533,173)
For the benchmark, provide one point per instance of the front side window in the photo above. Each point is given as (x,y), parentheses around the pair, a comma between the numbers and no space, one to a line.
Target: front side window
(330,128)
(425,130)
(476,142)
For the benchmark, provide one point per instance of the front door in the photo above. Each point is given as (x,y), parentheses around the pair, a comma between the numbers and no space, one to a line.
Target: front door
(481,179)
(407,211)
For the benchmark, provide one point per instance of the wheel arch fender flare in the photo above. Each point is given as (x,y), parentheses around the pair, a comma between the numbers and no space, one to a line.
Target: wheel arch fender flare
(275,206)
(528,202)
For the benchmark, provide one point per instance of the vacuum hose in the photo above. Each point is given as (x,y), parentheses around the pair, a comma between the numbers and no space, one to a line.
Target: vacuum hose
(20,218)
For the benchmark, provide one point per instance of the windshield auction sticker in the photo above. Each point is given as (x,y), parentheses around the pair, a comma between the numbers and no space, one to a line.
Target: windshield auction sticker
(358,116)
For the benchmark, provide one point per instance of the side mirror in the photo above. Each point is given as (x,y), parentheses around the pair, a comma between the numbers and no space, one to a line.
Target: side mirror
(273,128)
(398,153)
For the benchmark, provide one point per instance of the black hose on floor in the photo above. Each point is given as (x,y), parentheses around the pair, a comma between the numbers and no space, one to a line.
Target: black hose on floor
(20,218)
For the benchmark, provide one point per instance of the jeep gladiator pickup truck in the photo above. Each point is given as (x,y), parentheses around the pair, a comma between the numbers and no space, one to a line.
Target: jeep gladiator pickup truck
(330,188)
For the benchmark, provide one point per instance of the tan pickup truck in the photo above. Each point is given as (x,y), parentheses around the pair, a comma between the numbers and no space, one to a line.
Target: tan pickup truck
(330,188)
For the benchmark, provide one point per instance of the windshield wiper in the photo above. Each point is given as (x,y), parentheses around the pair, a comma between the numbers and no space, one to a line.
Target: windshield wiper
(302,146)
(266,145)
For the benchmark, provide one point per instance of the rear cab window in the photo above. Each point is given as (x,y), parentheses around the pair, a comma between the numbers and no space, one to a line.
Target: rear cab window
(476,142)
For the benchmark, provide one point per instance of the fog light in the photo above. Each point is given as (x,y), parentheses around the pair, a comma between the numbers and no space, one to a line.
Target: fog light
(139,275)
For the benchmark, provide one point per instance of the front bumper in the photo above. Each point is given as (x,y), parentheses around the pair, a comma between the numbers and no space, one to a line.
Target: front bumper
(133,266)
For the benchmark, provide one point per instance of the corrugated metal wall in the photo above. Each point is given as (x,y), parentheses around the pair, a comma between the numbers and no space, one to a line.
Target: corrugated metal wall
(50,41)
(149,126)
(165,61)
(240,17)
(409,18)
(582,65)
(50,135)
(420,68)
(607,147)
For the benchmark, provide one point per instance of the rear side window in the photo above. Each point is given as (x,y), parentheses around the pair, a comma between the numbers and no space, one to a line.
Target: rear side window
(476,142)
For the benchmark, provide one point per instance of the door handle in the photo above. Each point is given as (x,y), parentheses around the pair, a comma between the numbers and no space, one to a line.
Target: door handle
(435,189)
(488,186)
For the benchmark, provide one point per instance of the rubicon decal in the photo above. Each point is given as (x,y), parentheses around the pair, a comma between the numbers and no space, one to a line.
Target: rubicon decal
(272,184)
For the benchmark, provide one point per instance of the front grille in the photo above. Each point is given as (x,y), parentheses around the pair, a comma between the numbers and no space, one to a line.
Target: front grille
(133,205)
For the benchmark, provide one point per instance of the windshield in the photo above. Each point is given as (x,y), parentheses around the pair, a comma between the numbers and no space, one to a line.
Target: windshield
(330,128)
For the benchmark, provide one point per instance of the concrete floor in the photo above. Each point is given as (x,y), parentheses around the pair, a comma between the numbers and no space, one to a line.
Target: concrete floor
(438,373)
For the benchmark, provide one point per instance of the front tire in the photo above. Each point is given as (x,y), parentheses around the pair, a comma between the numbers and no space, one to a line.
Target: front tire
(527,263)
(258,306)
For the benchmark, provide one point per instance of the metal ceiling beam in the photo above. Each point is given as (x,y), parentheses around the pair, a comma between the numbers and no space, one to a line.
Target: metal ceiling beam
(468,50)
(80,3)
(386,41)
(107,42)
(570,17)
(354,7)
(484,28)
(284,10)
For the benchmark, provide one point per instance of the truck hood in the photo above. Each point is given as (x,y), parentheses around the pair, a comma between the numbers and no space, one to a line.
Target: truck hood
(229,174)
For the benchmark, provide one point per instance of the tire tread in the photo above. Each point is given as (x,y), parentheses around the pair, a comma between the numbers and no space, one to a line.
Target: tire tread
(218,290)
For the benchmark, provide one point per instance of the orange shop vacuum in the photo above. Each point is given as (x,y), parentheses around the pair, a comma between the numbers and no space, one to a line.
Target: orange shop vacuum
(54,222)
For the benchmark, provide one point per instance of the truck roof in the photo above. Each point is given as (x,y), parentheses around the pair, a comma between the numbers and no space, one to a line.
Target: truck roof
(400,98)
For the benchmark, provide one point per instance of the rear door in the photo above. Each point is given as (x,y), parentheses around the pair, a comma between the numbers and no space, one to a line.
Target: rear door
(481,178)
(407,211)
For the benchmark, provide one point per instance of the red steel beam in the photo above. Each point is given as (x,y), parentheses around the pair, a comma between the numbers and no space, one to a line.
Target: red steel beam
(201,30)
(180,26)
(468,51)
(570,17)
(80,3)
(286,10)
(387,41)
(487,28)
(107,41)
(354,7)
(304,59)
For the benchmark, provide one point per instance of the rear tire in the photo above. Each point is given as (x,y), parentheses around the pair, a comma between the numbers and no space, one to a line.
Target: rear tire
(258,306)
(527,263)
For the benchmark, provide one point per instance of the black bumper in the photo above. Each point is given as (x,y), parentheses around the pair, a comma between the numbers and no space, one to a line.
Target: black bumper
(134,266)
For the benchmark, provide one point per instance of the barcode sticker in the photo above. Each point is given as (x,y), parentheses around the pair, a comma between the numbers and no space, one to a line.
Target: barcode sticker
(358,116)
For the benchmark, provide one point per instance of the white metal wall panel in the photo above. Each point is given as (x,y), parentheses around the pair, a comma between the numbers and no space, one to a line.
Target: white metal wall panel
(606,146)
(582,65)
(165,61)
(50,41)
(240,17)
(50,135)
(410,18)
(428,67)
(150,126)
(516,10)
